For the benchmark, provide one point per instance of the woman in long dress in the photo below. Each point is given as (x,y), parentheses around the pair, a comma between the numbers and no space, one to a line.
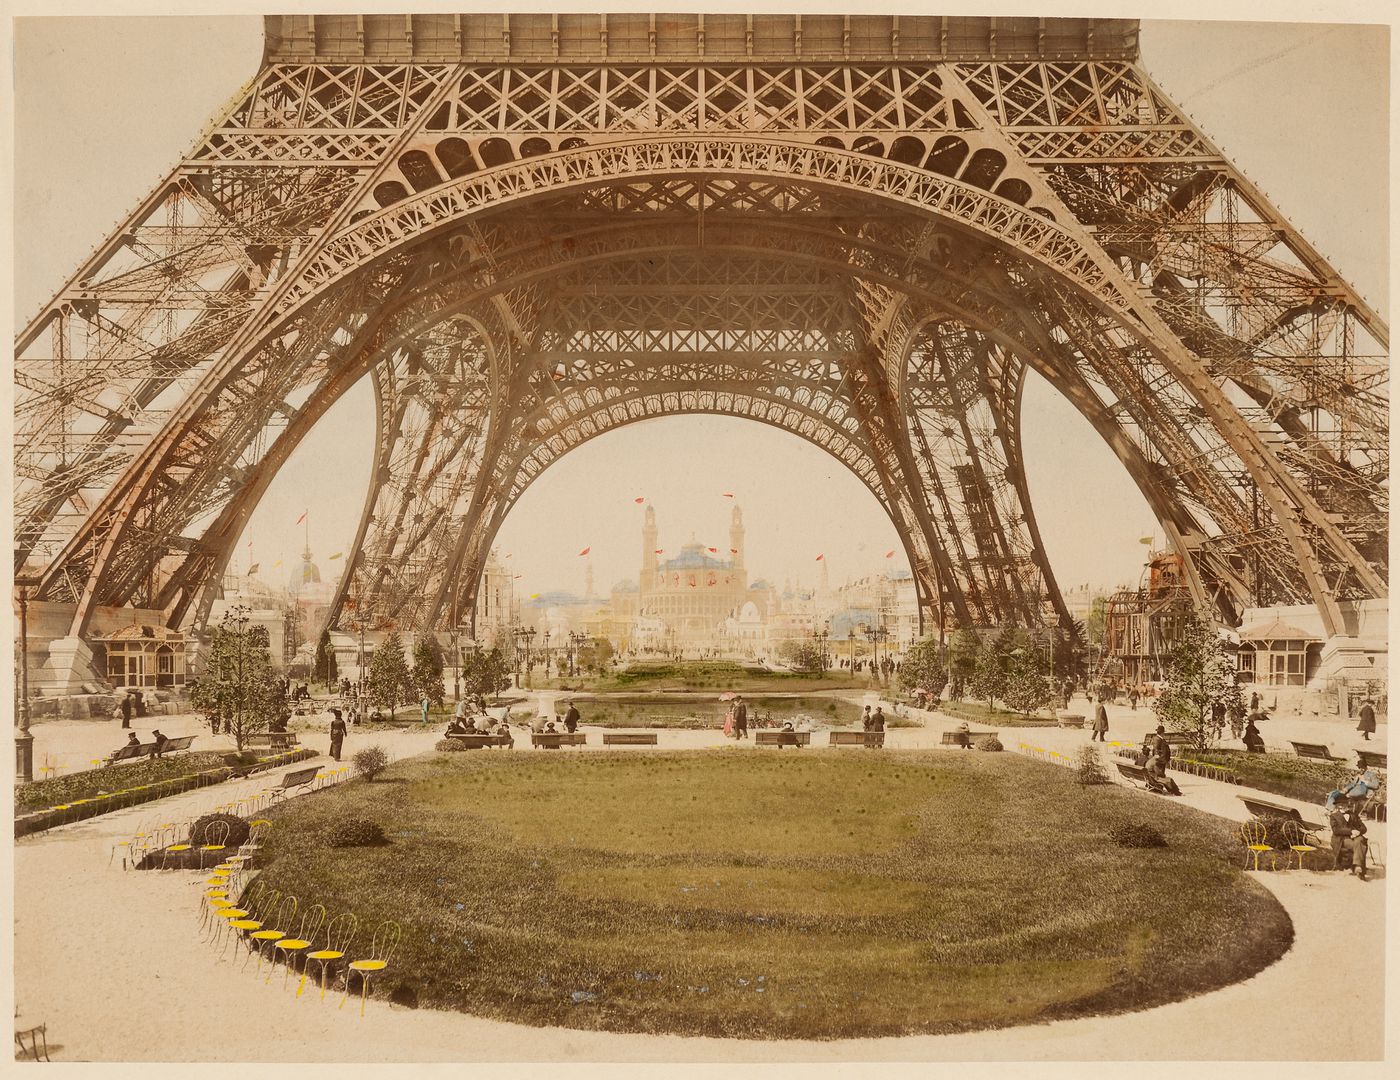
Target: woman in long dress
(337,733)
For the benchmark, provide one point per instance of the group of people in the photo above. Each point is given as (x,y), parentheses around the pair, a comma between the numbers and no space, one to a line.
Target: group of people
(158,740)
(131,703)
(873,721)
(736,719)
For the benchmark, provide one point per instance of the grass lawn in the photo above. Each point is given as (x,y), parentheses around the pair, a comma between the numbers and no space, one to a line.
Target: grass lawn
(647,712)
(978,712)
(820,894)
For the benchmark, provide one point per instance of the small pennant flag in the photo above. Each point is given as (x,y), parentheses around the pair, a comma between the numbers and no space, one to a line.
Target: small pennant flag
(337,555)
(253,569)
(509,554)
(534,596)
(733,551)
(302,518)
(585,551)
(277,563)
(889,554)
(640,499)
(1144,539)
(660,550)
(727,494)
(715,550)
(821,557)
(517,577)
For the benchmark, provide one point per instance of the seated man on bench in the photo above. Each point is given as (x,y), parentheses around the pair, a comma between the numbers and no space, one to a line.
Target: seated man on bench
(1348,839)
(1360,789)
(1157,778)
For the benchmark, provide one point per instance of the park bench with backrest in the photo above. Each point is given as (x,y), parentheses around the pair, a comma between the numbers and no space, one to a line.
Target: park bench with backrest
(872,739)
(1071,720)
(479,742)
(1266,808)
(294,779)
(1370,759)
(1174,738)
(141,750)
(629,738)
(782,738)
(552,740)
(273,740)
(1134,774)
(964,738)
(1313,751)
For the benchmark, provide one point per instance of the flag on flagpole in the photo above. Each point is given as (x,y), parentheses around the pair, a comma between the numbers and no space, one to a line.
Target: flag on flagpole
(1144,540)
(640,499)
(821,557)
(337,555)
(889,554)
(534,596)
(727,494)
(715,550)
(253,569)
(733,551)
(660,550)
(517,577)
(302,518)
(585,551)
(509,554)
(277,563)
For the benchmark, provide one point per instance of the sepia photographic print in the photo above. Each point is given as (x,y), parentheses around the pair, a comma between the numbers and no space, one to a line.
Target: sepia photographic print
(727,538)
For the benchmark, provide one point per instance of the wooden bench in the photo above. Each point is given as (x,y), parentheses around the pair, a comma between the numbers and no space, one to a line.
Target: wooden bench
(480,742)
(964,738)
(629,738)
(131,753)
(1134,774)
(1370,759)
(1263,808)
(1174,738)
(553,740)
(871,739)
(294,779)
(1313,751)
(273,740)
(1071,720)
(782,738)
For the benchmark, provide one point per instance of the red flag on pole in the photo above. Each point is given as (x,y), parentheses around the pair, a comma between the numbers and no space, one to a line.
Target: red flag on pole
(727,494)
(640,499)
(889,554)
(821,557)
(715,550)
(302,518)
(733,551)
(585,551)
(660,550)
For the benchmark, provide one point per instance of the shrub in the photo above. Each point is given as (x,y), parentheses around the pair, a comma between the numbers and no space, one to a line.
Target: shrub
(447,744)
(238,830)
(990,743)
(355,832)
(1135,834)
(1089,770)
(371,761)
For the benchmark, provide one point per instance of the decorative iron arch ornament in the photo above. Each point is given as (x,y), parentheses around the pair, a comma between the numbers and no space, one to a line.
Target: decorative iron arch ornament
(868,245)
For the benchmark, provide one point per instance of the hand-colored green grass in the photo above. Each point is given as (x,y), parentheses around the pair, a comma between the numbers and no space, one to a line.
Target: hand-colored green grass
(778,894)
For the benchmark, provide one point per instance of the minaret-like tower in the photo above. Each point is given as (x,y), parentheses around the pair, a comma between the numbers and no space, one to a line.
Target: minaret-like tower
(648,579)
(736,539)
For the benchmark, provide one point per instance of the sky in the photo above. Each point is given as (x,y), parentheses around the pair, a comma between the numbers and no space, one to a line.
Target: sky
(105,107)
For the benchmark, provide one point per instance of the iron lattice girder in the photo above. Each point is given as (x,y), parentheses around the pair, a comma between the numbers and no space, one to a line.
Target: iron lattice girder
(209,267)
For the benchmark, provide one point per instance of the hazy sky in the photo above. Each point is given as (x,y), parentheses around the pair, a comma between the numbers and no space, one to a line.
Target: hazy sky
(105,107)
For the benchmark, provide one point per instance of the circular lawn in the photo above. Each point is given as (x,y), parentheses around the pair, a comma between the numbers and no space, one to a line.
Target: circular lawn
(777,894)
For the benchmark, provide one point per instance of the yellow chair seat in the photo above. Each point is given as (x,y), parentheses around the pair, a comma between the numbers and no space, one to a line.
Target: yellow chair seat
(216,894)
(369,965)
(1301,847)
(238,858)
(211,847)
(231,913)
(246,924)
(292,943)
(1260,847)
(324,954)
(179,847)
(268,935)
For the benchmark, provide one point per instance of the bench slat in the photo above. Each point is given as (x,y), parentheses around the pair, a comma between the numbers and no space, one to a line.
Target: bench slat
(630,738)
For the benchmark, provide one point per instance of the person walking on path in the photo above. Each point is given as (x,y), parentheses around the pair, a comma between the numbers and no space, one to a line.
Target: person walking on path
(1133,698)
(126,711)
(571,718)
(1254,702)
(425,705)
(337,733)
(741,718)
(1100,722)
(1367,725)
(877,722)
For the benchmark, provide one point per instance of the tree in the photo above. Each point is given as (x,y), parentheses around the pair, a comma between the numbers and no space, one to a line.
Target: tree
(963,650)
(390,683)
(923,668)
(485,673)
(595,655)
(325,652)
(427,673)
(239,683)
(1097,621)
(804,656)
(1200,674)
(988,681)
(1027,688)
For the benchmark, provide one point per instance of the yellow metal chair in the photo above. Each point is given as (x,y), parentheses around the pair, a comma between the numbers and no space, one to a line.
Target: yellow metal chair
(1252,835)
(128,845)
(382,948)
(1296,837)
(340,933)
(284,914)
(215,839)
(257,902)
(312,919)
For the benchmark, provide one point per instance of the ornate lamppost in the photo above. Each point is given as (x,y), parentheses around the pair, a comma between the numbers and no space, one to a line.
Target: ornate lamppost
(523,636)
(576,641)
(821,636)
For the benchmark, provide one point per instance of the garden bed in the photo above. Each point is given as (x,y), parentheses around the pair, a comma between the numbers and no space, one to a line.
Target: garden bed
(978,713)
(812,896)
(99,791)
(1280,774)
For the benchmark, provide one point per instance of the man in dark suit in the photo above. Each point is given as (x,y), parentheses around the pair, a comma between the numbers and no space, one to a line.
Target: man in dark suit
(741,718)
(126,710)
(571,719)
(1368,720)
(1349,836)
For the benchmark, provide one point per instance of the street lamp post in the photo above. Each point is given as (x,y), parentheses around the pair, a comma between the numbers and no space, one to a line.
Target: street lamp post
(576,641)
(821,636)
(24,742)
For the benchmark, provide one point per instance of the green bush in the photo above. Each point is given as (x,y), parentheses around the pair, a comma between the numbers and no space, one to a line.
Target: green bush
(371,761)
(1135,834)
(355,832)
(989,743)
(1088,769)
(238,830)
(449,745)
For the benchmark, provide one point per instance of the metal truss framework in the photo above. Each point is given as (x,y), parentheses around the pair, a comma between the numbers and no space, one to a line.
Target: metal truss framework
(862,230)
